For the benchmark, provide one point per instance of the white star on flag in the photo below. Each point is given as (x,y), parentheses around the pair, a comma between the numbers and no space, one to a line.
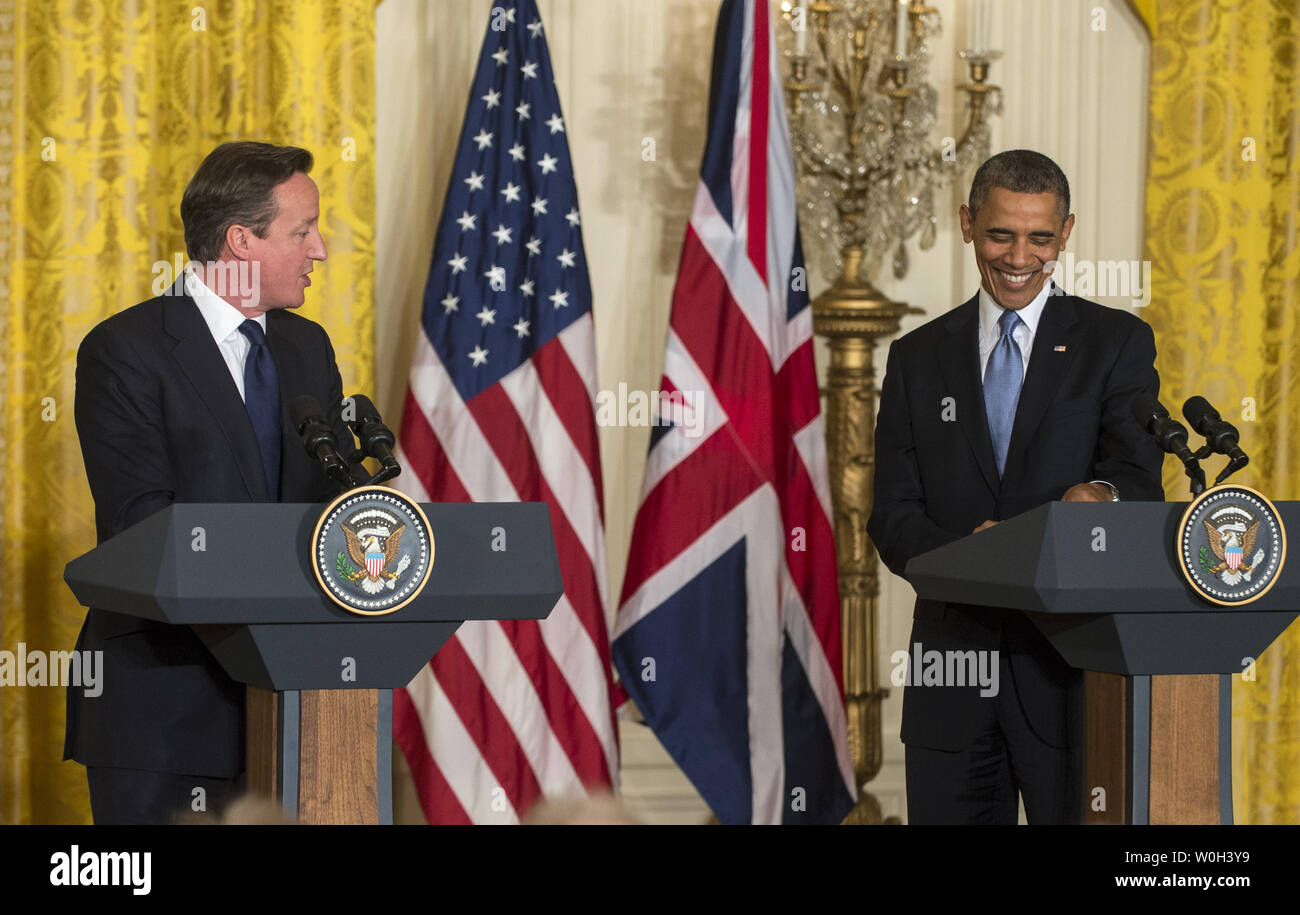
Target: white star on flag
(450,302)
(496,276)
(560,299)
(539,206)
(522,110)
(475,181)
(466,221)
(517,152)
(521,328)
(493,98)
(479,355)
(572,216)
(556,123)
(534,246)
(529,70)
(535,27)
(501,56)
(565,258)
(547,162)
(526,287)
(502,235)
(458,262)
(487,316)
(511,192)
(483,139)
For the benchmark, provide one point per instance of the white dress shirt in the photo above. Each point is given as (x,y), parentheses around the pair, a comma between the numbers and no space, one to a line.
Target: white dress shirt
(223,320)
(991,311)
(1023,335)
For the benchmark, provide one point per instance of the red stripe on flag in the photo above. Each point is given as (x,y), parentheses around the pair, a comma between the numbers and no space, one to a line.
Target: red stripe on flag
(740,372)
(568,721)
(796,388)
(812,568)
(426,459)
(506,435)
(437,800)
(486,724)
(756,238)
(569,397)
(705,485)
(502,427)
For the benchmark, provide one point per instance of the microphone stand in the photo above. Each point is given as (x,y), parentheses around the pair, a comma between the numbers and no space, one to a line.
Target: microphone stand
(1234,463)
(1192,467)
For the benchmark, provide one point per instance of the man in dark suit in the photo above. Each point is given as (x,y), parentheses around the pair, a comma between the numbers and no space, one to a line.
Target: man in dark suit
(1018,397)
(185,398)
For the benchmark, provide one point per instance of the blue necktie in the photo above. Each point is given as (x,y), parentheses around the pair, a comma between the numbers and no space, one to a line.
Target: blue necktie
(1002,379)
(262,398)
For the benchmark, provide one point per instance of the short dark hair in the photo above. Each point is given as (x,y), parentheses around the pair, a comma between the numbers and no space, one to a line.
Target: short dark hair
(1022,171)
(235,184)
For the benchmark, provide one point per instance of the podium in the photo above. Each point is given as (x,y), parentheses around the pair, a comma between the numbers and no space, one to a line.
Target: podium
(320,679)
(1101,582)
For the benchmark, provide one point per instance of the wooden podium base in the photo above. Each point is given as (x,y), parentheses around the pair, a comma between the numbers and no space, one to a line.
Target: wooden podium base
(1160,747)
(324,754)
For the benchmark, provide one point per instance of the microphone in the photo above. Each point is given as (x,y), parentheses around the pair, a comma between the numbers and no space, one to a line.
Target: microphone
(319,439)
(1170,435)
(1220,437)
(376,439)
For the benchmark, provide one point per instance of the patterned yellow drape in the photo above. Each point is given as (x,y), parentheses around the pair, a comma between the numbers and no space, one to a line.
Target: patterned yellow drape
(106,109)
(1223,193)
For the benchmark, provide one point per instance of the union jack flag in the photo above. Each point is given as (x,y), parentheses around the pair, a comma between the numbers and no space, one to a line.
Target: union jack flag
(728,630)
(500,409)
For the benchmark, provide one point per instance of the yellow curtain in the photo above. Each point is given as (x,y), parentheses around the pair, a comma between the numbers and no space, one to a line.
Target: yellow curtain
(1223,192)
(106,109)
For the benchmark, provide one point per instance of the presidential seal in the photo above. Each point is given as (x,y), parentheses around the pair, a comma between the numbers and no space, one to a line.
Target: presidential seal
(372,550)
(1231,545)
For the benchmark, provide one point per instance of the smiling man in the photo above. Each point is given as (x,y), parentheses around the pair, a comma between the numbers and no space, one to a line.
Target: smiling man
(184,398)
(1018,397)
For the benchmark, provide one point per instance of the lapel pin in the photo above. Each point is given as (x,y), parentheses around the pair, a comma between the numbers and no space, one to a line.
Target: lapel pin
(1058,349)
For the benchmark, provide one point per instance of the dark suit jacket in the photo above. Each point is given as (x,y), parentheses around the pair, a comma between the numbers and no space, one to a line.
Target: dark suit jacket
(161,421)
(936,481)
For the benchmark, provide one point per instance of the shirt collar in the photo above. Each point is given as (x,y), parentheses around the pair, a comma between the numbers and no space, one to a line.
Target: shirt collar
(991,311)
(222,318)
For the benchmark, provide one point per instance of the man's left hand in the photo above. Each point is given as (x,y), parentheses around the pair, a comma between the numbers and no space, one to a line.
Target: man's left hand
(1087,492)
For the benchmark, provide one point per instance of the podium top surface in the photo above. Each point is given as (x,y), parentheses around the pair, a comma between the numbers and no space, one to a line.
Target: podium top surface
(1084,557)
(244,563)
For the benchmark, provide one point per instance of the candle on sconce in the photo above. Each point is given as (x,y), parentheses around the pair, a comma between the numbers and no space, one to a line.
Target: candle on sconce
(900,28)
(801,33)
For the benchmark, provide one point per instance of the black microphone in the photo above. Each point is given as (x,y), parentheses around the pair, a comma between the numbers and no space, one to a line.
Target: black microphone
(319,439)
(1170,435)
(376,439)
(1220,437)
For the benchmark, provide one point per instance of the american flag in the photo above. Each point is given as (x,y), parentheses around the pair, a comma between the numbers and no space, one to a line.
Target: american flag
(728,631)
(500,409)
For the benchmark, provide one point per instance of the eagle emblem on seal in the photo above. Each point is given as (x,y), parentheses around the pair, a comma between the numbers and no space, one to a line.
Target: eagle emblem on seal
(1231,543)
(374,543)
